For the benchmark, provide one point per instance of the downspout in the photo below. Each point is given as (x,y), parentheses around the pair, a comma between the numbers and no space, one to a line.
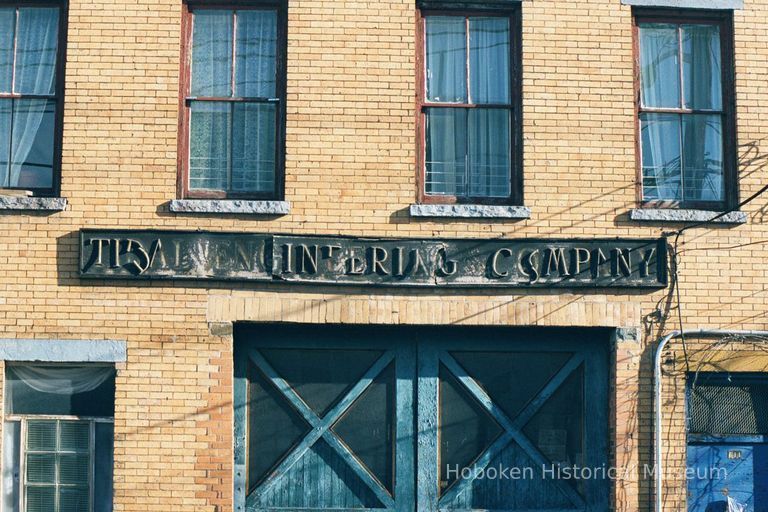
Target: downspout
(657,395)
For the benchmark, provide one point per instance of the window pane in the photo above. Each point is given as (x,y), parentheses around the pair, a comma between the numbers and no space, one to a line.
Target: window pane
(466,429)
(32,143)
(5,140)
(703,158)
(256,54)
(446,43)
(489,60)
(659,65)
(41,499)
(701,66)
(36,50)
(321,377)
(512,379)
(212,53)
(489,152)
(75,436)
(73,468)
(41,468)
(557,429)
(73,499)
(660,139)
(367,427)
(209,145)
(65,390)
(253,147)
(41,435)
(446,151)
(275,427)
(7,28)
(102,470)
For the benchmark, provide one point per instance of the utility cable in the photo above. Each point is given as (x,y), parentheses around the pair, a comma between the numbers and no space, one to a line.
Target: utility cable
(675,274)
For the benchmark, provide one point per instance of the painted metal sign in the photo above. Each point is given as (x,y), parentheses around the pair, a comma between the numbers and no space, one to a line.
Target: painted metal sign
(519,263)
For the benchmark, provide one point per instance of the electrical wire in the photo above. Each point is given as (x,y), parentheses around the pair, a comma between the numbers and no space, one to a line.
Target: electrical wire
(724,247)
(674,266)
(676,281)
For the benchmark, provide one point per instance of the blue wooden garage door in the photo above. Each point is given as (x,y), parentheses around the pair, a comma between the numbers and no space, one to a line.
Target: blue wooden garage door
(419,419)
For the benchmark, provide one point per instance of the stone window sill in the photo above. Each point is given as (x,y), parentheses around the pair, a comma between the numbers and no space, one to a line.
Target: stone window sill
(689,4)
(230,206)
(40,204)
(470,211)
(673,215)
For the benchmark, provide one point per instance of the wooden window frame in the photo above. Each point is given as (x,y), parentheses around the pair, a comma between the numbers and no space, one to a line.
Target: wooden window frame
(724,20)
(58,93)
(188,7)
(513,13)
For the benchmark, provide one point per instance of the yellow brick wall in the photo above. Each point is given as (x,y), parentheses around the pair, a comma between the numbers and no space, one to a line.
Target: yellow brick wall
(351,151)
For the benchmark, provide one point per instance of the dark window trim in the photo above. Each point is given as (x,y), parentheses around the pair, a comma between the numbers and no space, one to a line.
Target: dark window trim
(182,159)
(513,12)
(725,378)
(58,94)
(730,156)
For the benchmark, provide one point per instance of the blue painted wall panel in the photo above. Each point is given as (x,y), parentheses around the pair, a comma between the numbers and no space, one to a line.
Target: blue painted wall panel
(719,470)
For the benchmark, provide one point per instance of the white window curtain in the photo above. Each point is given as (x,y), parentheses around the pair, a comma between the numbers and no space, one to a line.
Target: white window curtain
(60,380)
(232,145)
(468,151)
(702,134)
(660,88)
(446,48)
(489,60)
(37,41)
(682,153)
(63,381)
(659,65)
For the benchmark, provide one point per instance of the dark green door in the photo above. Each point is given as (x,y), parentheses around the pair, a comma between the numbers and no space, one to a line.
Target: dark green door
(416,419)
(323,420)
(513,416)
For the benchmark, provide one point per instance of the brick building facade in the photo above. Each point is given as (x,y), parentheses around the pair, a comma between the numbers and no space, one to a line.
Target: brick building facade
(352,157)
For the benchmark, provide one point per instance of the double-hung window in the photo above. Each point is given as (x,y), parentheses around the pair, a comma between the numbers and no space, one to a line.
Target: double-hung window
(470,107)
(685,110)
(31,90)
(232,117)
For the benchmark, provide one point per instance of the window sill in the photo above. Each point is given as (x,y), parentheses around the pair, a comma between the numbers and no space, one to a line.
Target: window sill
(45,204)
(690,4)
(230,206)
(672,215)
(470,211)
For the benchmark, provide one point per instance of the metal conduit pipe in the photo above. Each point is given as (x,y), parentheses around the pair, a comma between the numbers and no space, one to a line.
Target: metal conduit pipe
(657,395)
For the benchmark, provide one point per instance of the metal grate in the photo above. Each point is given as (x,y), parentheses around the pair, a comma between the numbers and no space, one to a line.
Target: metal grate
(728,404)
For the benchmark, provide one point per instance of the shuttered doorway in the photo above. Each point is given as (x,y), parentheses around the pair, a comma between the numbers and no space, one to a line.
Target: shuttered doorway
(384,419)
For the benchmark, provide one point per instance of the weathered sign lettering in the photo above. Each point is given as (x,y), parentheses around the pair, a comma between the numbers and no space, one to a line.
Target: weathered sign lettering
(523,263)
